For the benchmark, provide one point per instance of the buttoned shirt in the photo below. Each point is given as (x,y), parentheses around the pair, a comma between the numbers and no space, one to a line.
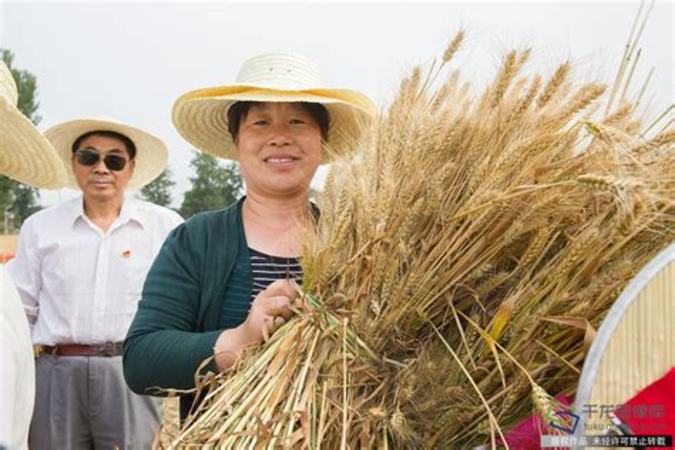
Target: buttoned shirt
(80,284)
(17,368)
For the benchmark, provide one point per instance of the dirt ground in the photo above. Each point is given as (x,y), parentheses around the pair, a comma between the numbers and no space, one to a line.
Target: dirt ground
(8,242)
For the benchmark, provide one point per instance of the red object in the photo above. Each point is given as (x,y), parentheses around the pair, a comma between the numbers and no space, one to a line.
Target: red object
(525,435)
(6,256)
(652,410)
(126,253)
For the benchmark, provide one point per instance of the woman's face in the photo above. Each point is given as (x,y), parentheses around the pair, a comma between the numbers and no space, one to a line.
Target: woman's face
(279,149)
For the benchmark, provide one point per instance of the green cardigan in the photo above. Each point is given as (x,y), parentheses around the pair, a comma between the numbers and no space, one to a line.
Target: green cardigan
(176,326)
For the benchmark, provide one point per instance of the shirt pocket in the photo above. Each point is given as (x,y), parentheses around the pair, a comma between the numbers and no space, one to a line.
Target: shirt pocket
(133,259)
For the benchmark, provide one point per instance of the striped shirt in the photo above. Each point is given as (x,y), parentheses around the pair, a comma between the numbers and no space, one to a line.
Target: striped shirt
(267,269)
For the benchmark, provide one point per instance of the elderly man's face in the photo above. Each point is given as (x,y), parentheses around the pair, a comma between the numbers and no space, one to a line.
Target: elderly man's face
(98,182)
(279,148)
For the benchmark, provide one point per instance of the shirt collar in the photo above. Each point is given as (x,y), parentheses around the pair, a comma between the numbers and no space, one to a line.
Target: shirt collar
(76,211)
(128,212)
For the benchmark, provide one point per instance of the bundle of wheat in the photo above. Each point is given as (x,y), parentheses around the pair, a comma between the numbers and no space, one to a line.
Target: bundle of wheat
(461,263)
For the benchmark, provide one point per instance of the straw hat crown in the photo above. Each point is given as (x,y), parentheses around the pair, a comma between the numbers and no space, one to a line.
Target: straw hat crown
(200,116)
(25,154)
(280,71)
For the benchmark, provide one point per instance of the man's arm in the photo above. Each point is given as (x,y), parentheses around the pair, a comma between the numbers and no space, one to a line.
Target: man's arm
(25,271)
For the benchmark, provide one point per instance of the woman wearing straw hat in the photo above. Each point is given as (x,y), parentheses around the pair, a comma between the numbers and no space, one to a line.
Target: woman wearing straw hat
(79,270)
(219,283)
(26,156)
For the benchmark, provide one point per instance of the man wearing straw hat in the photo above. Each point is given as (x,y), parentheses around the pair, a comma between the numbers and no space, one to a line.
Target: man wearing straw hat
(79,269)
(26,156)
(220,284)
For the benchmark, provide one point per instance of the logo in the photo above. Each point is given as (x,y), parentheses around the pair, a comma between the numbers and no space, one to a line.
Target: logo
(567,422)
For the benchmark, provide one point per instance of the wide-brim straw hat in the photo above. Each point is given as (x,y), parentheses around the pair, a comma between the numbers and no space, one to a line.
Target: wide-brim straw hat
(151,153)
(25,154)
(200,116)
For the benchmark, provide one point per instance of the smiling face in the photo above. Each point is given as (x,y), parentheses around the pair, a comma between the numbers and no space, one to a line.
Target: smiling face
(98,182)
(278,148)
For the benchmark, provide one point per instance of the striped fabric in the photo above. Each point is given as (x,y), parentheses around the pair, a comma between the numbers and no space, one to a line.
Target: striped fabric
(266,269)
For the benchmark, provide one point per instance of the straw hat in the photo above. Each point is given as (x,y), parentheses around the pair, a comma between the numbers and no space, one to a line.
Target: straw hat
(200,116)
(151,152)
(25,154)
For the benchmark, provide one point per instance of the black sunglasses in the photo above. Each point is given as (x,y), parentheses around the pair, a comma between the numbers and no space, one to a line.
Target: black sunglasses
(90,157)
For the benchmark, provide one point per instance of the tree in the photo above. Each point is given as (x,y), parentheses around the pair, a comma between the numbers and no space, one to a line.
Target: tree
(16,198)
(214,185)
(159,191)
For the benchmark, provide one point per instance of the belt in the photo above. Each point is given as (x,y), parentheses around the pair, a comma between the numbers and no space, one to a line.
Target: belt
(106,349)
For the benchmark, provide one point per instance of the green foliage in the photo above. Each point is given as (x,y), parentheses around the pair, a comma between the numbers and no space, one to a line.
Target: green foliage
(159,191)
(214,186)
(25,203)
(17,199)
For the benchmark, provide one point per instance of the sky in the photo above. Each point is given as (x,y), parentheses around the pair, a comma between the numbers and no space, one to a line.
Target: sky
(131,60)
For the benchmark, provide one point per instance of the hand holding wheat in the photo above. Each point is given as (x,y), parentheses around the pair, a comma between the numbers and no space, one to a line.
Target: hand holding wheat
(269,311)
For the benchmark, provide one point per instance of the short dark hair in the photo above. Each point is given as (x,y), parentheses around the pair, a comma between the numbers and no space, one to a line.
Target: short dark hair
(239,110)
(128,143)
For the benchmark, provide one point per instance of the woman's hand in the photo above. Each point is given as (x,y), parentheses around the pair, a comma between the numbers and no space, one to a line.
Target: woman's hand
(269,311)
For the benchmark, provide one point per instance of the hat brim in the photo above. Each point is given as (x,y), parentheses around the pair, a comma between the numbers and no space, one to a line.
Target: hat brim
(200,116)
(25,154)
(151,153)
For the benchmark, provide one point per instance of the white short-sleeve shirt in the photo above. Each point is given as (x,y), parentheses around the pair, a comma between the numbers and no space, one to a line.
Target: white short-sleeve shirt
(79,284)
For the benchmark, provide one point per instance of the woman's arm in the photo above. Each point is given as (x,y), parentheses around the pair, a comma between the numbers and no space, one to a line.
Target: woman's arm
(163,348)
